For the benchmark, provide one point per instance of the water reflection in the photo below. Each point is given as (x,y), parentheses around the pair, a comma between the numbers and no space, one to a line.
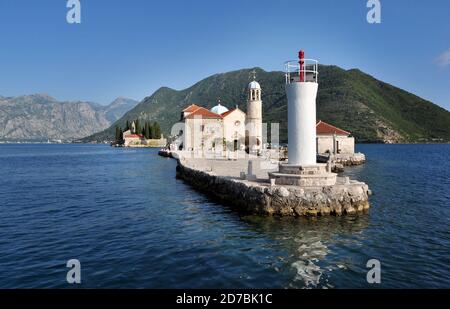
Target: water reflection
(310,244)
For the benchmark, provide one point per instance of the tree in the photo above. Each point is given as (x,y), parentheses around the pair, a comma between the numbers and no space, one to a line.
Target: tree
(151,132)
(117,134)
(120,136)
(147,130)
(127,126)
(156,130)
(137,126)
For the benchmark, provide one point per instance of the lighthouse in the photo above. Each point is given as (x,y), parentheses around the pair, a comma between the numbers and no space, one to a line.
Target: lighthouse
(301,91)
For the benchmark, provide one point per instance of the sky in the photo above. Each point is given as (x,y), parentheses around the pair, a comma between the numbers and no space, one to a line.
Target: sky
(131,48)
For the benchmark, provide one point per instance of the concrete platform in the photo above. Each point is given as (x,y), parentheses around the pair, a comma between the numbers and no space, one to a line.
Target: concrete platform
(303,175)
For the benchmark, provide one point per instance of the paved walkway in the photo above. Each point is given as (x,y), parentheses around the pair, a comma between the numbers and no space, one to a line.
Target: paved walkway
(233,168)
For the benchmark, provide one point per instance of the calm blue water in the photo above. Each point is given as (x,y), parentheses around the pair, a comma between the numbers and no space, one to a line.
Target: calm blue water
(131,224)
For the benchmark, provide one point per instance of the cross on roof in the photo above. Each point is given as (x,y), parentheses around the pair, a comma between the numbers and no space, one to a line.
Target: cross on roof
(254,74)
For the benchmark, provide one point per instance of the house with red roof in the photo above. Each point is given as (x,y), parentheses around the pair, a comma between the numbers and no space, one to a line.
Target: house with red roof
(132,139)
(331,139)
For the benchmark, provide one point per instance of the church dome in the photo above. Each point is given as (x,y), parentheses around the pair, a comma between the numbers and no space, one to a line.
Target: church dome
(254,85)
(219,109)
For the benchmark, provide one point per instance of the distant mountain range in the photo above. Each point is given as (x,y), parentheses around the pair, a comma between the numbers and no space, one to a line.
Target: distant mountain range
(40,117)
(372,110)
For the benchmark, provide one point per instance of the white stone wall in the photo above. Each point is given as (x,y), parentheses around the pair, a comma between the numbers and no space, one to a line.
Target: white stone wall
(345,144)
(234,129)
(201,133)
(131,141)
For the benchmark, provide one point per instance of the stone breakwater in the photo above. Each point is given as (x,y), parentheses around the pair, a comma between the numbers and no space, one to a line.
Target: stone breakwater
(259,197)
(344,159)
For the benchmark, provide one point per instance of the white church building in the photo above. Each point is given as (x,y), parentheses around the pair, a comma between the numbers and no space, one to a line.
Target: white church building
(222,129)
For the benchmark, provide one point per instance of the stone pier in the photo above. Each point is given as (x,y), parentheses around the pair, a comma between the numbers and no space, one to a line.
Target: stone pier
(223,180)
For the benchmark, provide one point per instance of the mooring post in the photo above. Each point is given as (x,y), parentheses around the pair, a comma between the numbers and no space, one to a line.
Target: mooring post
(329,165)
(250,175)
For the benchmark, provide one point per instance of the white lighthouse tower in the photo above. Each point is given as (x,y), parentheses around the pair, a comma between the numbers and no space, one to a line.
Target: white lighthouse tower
(301,91)
(254,117)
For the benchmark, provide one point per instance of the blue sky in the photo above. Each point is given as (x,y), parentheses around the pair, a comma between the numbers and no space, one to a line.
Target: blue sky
(131,48)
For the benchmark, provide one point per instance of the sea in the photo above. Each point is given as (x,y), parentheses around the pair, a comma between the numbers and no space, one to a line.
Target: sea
(130,223)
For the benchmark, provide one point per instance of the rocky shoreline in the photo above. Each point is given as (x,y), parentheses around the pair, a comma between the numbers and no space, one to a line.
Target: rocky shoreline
(343,159)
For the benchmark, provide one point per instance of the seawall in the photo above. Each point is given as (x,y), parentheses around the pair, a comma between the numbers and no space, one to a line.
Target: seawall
(343,159)
(260,197)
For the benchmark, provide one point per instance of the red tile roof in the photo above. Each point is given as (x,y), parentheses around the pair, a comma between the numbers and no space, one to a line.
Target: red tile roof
(229,112)
(191,108)
(204,113)
(323,128)
(134,136)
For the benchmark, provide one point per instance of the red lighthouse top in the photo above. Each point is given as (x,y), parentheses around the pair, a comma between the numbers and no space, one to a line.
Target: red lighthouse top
(301,56)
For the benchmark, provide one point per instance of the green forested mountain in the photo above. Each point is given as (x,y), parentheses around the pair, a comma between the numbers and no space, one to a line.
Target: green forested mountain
(350,99)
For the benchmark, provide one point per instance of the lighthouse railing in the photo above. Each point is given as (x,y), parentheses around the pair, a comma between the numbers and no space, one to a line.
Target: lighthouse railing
(309,69)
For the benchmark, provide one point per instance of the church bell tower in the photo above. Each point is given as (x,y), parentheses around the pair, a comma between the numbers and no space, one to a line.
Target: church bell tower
(254,117)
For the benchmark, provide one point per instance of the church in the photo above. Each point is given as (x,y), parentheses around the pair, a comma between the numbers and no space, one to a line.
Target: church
(222,129)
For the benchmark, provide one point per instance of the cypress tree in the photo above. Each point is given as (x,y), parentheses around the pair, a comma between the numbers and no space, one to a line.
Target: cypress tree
(120,136)
(138,126)
(127,126)
(157,130)
(117,134)
(151,132)
(147,130)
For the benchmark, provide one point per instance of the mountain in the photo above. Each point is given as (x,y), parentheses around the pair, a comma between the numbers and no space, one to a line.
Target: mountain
(117,108)
(40,117)
(372,110)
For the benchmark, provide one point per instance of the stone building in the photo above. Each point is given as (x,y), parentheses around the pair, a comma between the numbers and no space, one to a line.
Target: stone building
(131,139)
(220,129)
(330,139)
(213,130)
